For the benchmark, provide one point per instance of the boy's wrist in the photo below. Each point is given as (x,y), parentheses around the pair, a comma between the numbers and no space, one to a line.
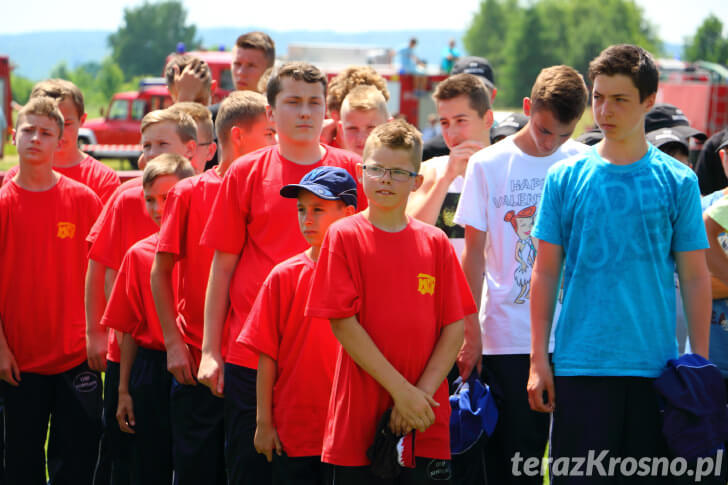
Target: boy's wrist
(123,390)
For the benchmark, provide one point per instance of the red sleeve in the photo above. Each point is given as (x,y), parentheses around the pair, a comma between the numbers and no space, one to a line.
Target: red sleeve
(123,311)
(226,227)
(101,219)
(455,299)
(335,292)
(108,183)
(173,232)
(12,172)
(107,247)
(261,332)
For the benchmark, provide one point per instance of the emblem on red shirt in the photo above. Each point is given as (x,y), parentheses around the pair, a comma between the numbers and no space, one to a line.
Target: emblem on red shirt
(427,284)
(66,230)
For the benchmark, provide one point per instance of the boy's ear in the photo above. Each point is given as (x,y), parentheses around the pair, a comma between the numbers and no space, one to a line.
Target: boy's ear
(12,135)
(82,120)
(527,106)
(270,113)
(723,154)
(213,86)
(649,101)
(359,172)
(211,149)
(349,210)
(418,182)
(489,118)
(190,148)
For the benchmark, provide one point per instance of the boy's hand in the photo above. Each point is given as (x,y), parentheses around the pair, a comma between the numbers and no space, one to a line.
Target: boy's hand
(540,379)
(9,370)
(470,355)
(328,131)
(397,424)
(459,157)
(266,439)
(415,407)
(181,364)
(125,413)
(189,82)
(211,373)
(96,346)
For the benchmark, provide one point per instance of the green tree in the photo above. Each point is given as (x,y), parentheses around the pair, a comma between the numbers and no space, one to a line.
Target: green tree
(708,43)
(489,29)
(21,88)
(149,33)
(110,78)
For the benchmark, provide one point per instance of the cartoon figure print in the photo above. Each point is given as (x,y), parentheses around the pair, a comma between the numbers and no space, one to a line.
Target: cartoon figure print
(522,222)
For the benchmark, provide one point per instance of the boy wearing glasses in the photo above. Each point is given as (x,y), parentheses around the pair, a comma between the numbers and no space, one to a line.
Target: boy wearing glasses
(396,296)
(252,228)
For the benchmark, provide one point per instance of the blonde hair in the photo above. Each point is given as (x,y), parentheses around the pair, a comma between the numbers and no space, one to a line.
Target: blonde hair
(166,164)
(186,127)
(199,113)
(240,108)
(60,89)
(42,106)
(365,98)
(351,77)
(396,135)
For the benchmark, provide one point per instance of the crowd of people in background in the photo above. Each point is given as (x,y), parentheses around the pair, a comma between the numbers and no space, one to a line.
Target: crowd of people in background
(296,284)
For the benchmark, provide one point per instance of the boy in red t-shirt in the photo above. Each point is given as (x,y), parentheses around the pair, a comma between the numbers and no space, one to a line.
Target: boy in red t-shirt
(197,415)
(251,228)
(297,355)
(123,222)
(144,383)
(43,219)
(68,159)
(396,297)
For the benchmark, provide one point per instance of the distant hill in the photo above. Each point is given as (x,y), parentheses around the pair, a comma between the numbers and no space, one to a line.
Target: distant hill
(35,54)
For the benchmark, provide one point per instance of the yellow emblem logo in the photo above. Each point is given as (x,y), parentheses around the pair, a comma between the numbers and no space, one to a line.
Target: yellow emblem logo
(66,230)
(426,284)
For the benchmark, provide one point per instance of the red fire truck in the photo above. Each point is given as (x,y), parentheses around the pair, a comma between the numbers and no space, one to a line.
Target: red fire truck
(5,101)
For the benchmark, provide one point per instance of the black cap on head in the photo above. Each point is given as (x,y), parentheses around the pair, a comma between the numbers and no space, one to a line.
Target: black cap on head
(664,136)
(509,125)
(591,137)
(329,183)
(664,115)
(478,66)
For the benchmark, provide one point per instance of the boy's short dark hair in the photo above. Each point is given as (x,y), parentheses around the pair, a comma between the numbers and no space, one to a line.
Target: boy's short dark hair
(60,89)
(199,113)
(561,90)
(396,135)
(166,164)
(298,71)
(260,41)
(631,61)
(42,106)
(464,85)
(181,61)
(186,127)
(240,108)
(351,77)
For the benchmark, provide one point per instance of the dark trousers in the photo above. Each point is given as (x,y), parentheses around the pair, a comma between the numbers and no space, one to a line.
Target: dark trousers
(304,470)
(112,467)
(198,435)
(244,464)
(72,402)
(426,471)
(149,387)
(617,414)
(519,429)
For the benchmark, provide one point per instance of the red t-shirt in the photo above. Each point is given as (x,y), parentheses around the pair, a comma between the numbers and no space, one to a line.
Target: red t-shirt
(123,222)
(43,258)
(131,307)
(189,203)
(305,351)
(90,172)
(403,287)
(250,218)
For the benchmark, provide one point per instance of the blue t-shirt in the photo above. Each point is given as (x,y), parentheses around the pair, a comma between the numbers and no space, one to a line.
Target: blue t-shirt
(406,60)
(619,226)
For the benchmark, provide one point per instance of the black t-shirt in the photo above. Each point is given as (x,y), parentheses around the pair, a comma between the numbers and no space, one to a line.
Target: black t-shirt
(711,176)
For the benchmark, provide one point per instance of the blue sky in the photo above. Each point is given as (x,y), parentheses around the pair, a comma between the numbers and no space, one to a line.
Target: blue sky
(675,19)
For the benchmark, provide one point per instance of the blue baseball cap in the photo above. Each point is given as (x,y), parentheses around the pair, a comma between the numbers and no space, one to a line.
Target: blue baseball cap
(328,183)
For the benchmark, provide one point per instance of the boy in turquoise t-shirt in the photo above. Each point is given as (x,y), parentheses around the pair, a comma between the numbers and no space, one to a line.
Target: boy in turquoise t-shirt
(618,218)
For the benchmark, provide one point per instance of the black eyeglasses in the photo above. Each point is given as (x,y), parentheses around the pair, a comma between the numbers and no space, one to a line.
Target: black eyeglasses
(396,174)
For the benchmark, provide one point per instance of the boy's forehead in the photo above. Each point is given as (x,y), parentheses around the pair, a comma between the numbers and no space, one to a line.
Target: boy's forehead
(161,129)
(67,108)
(37,120)
(391,158)
(352,115)
(299,87)
(614,84)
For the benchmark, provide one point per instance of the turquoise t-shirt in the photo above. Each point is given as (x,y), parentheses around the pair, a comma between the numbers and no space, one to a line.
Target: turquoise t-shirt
(619,226)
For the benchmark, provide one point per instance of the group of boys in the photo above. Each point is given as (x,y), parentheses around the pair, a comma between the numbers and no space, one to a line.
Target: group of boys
(255,321)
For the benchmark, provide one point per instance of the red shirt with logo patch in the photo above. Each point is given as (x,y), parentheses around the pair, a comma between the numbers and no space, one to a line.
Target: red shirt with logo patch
(131,307)
(90,172)
(403,287)
(250,218)
(43,259)
(304,349)
(189,204)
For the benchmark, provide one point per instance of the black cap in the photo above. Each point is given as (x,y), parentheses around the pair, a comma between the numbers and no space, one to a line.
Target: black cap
(663,116)
(509,125)
(477,66)
(664,136)
(591,137)
(329,183)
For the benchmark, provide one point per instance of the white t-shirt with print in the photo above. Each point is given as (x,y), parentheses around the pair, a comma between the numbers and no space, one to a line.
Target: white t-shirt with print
(502,189)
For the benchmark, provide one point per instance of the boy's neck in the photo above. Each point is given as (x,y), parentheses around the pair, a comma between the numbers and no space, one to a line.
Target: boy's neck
(625,151)
(392,220)
(65,160)
(36,178)
(524,142)
(313,252)
(302,154)
(223,166)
